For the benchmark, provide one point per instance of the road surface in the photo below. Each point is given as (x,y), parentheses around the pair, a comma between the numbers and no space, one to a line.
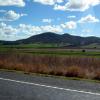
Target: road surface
(18,86)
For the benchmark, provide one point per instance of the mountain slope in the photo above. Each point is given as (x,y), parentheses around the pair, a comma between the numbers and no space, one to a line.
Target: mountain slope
(50,37)
(44,38)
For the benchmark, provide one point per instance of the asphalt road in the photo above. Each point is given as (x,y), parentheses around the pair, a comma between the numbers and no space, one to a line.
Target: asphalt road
(18,86)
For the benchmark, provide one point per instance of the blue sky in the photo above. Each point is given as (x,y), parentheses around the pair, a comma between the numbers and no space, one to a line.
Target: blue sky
(24,18)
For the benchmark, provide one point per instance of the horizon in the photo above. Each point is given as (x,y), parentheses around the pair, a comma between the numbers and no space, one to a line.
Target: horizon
(20,19)
(51,33)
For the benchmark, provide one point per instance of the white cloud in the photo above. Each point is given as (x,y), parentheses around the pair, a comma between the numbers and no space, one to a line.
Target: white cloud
(71,17)
(47,20)
(59,1)
(53,28)
(45,2)
(19,3)
(19,32)
(11,16)
(69,25)
(77,5)
(24,31)
(86,31)
(48,2)
(93,2)
(29,29)
(88,19)
(59,7)
(7,30)
(32,30)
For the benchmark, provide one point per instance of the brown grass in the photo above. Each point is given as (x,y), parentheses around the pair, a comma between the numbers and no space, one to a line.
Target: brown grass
(83,67)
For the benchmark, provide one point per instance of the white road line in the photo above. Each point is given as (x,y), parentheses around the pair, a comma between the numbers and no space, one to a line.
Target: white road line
(47,86)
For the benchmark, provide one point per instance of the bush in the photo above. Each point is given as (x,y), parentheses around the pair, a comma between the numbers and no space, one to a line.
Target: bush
(83,50)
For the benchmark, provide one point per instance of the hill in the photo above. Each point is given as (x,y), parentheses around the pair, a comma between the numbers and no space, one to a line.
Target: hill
(50,37)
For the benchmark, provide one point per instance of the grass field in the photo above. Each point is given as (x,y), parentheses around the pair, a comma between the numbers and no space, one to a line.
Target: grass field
(49,49)
(94,45)
(35,45)
(82,63)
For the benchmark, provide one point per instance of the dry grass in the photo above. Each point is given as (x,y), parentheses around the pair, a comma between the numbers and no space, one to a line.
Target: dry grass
(84,67)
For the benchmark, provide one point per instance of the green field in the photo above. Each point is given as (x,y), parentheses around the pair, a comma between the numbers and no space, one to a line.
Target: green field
(51,60)
(74,53)
(49,49)
(91,46)
(35,45)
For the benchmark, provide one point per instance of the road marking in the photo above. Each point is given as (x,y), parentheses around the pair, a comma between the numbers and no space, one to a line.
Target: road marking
(47,86)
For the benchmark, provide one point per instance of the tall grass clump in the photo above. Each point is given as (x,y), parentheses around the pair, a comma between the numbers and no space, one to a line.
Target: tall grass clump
(69,66)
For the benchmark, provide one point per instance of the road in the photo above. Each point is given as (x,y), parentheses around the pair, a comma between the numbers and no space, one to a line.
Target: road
(18,86)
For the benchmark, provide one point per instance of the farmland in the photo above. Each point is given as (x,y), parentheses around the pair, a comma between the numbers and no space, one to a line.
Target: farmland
(50,49)
(82,63)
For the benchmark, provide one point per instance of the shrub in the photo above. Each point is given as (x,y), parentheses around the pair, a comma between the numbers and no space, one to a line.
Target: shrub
(83,50)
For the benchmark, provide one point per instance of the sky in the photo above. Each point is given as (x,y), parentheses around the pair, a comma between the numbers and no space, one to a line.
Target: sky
(21,19)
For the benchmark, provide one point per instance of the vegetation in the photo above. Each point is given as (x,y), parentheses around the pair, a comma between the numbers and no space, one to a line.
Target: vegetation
(53,38)
(91,46)
(49,54)
(70,66)
(34,45)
